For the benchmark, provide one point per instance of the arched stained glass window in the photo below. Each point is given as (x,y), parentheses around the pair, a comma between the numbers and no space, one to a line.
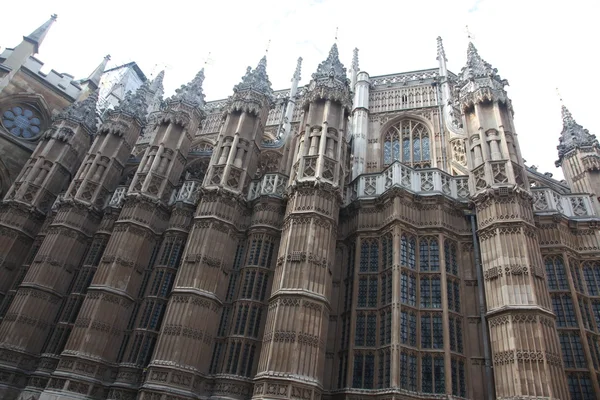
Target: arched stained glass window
(408,142)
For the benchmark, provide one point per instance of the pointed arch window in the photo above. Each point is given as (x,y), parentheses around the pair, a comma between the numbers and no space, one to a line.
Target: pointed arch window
(408,142)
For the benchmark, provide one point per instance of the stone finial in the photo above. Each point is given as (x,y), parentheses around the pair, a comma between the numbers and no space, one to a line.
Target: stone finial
(256,79)
(441,53)
(37,36)
(332,67)
(573,135)
(191,92)
(298,69)
(355,59)
(83,112)
(134,104)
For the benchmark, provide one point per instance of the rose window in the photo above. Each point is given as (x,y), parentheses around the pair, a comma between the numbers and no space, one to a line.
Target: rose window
(21,122)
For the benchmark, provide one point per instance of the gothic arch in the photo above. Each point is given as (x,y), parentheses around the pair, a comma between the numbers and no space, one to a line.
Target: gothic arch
(409,139)
(34,103)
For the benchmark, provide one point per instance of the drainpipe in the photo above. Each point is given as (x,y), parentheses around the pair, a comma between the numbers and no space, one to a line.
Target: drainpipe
(481,295)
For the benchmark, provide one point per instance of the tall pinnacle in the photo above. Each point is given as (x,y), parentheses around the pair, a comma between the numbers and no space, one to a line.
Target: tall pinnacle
(96,75)
(298,70)
(37,37)
(441,54)
(191,92)
(157,83)
(573,135)
(256,79)
(355,59)
(331,67)
(134,104)
(83,112)
(476,66)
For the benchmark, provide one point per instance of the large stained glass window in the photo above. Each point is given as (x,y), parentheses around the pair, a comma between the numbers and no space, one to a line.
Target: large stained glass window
(408,142)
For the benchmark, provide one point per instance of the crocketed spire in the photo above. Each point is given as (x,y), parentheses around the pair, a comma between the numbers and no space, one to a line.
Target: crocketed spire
(83,112)
(298,70)
(573,135)
(191,92)
(441,53)
(96,75)
(476,66)
(134,104)
(256,79)
(331,67)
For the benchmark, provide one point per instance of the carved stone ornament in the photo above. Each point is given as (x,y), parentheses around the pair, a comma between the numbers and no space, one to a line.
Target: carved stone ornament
(191,92)
(83,112)
(573,135)
(134,104)
(256,80)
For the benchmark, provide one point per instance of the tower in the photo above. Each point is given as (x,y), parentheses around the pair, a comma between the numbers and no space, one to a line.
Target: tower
(579,158)
(519,312)
(301,293)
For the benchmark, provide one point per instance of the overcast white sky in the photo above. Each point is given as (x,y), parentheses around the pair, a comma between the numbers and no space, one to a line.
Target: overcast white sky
(537,45)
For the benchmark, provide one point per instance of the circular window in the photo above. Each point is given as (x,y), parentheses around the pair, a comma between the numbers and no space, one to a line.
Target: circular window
(21,122)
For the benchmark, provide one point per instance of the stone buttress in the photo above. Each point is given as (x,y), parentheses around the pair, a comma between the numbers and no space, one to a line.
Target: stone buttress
(524,343)
(109,302)
(292,358)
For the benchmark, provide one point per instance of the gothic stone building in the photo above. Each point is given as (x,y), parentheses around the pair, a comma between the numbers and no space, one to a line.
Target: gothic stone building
(356,237)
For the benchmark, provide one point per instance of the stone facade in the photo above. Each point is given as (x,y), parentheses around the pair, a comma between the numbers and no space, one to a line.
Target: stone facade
(356,237)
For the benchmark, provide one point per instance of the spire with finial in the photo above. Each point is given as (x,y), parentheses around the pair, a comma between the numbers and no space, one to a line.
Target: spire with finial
(331,67)
(256,79)
(441,54)
(83,112)
(94,78)
(135,104)
(476,67)
(573,135)
(191,92)
(298,70)
(37,36)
